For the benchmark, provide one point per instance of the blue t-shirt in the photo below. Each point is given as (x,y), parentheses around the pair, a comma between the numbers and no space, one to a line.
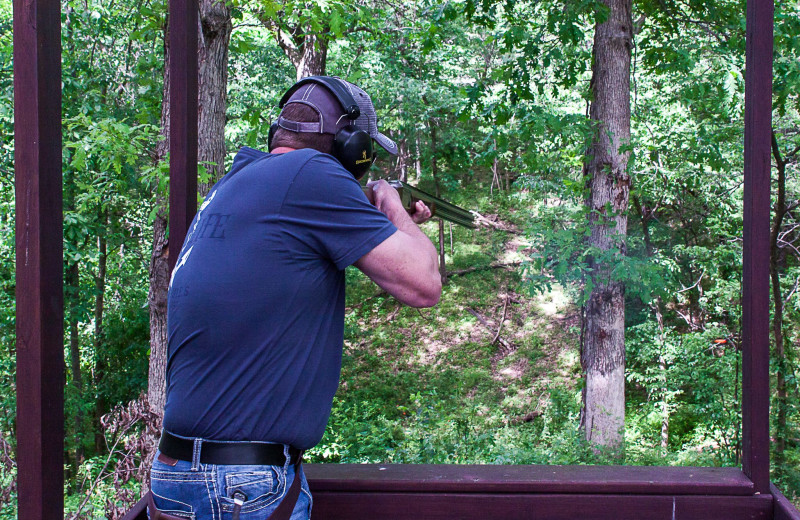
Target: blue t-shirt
(256,300)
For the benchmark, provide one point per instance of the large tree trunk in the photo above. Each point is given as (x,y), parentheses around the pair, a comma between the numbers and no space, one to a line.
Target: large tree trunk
(418,157)
(311,56)
(215,37)
(603,340)
(307,50)
(159,267)
(72,303)
(213,45)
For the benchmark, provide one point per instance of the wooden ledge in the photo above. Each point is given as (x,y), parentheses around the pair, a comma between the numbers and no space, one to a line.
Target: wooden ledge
(441,478)
(784,510)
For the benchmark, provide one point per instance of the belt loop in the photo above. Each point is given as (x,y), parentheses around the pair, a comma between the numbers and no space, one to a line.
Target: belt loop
(288,458)
(198,443)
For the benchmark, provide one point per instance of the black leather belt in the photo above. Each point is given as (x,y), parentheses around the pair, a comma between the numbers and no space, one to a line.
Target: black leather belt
(238,453)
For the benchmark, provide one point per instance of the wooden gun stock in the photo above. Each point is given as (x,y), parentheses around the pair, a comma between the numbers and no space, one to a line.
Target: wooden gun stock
(409,195)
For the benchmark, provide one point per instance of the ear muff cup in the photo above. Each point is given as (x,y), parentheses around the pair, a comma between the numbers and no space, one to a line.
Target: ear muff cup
(272,129)
(353,148)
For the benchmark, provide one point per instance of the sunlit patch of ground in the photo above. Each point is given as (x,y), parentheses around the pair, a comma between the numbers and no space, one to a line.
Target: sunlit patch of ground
(552,303)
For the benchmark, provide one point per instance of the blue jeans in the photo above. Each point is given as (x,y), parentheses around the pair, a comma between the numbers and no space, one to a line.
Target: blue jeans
(198,491)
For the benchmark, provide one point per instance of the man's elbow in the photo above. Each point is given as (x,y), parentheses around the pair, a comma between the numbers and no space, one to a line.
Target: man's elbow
(426,295)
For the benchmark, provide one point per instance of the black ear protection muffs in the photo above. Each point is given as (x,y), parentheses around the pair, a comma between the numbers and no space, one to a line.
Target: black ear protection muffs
(352,147)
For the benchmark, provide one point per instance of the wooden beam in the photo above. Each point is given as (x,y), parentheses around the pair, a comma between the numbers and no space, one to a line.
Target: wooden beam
(445,478)
(138,511)
(183,121)
(479,506)
(39,257)
(784,510)
(755,276)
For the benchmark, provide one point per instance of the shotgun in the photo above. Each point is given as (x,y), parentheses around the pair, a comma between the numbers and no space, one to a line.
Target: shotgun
(442,209)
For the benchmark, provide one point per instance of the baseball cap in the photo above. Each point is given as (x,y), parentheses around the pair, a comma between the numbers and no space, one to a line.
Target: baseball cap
(332,116)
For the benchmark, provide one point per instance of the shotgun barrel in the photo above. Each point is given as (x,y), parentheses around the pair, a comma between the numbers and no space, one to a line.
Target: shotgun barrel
(440,208)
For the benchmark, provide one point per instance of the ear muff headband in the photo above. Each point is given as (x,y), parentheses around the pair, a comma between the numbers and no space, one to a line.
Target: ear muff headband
(352,147)
(351,109)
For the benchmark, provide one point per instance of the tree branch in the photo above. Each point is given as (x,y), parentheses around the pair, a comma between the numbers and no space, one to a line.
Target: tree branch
(483,268)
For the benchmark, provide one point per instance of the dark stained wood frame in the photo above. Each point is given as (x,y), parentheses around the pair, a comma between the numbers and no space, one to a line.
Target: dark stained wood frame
(372,490)
(182,122)
(755,304)
(39,257)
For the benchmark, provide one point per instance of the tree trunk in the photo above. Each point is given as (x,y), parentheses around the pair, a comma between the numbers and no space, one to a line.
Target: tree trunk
(72,304)
(418,158)
(777,297)
(401,164)
(311,56)
(645,215)
(73,292)
(101,406)
(215,21)
(603,342)
(662,370)
(435,172)
(495,176)
(159,267)
(507,178)
(307,50)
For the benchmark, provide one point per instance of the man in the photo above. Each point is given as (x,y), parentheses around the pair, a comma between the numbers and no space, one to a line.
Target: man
(256,306)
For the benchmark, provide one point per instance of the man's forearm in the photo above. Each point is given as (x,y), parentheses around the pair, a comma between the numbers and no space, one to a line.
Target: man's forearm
(406,264)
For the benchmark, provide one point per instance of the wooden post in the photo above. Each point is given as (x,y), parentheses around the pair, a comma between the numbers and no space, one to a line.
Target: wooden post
(755,304)
(183,122)
(39,256)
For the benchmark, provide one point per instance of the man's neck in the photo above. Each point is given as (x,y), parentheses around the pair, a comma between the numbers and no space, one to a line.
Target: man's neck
(282,149)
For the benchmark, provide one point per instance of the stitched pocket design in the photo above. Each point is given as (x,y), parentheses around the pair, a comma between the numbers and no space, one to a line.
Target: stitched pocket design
(260,487)
(173,506)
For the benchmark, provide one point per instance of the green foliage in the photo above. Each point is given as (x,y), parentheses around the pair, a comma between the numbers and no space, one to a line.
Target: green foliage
(488,102)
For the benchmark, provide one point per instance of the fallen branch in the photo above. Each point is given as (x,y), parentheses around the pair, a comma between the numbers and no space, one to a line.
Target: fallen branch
(528,417)
(506,345)
(502,320)
(483,268)
(480,220)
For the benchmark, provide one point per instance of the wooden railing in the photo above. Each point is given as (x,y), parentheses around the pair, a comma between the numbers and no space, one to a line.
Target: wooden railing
(412,492)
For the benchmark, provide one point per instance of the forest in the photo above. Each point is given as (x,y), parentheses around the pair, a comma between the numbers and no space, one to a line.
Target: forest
(609,228)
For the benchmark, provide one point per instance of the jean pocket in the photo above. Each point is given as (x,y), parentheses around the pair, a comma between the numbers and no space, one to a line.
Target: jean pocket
(173,507)
(175,492)
(257,488)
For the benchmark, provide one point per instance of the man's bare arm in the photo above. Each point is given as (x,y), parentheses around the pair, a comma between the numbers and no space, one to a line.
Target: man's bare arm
(406,264)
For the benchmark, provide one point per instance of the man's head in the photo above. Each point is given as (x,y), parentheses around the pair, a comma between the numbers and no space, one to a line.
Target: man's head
(333,116)
(301,113)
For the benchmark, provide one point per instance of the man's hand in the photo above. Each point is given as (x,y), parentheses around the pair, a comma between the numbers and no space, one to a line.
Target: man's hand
(421,213)
(387,200)
(384,197)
